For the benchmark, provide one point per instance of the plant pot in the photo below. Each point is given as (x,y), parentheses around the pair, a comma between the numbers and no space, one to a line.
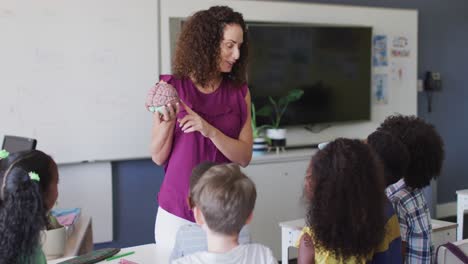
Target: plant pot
(260,146)
(277,137)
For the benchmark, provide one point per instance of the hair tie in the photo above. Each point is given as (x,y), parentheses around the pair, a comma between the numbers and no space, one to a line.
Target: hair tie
(4,154)
(34,176)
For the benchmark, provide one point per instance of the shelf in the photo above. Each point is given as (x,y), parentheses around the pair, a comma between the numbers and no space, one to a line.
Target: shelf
(284,156)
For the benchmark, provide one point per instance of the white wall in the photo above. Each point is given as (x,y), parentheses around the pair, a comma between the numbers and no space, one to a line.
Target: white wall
(89,187)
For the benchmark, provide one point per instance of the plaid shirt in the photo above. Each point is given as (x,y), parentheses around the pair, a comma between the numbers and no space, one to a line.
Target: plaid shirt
(415,221)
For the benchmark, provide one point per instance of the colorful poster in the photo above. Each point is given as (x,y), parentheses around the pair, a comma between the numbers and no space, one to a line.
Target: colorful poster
(398,71)
(400,47)
(380,89)
(380,57)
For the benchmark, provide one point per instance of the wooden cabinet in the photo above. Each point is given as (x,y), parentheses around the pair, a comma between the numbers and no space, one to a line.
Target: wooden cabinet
(443,232)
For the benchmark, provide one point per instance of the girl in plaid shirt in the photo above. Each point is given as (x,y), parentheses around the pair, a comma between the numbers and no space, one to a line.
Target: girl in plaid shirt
(426,154)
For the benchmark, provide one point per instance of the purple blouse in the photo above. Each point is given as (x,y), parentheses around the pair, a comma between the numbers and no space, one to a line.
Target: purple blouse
(224,109)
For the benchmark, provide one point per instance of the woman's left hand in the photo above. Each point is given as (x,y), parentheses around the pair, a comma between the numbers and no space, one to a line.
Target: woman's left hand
(193,122)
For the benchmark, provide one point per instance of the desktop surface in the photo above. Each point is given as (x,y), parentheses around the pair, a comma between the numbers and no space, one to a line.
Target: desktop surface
(148,253)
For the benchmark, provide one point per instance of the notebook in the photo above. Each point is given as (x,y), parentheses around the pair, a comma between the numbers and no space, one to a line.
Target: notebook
(93,257)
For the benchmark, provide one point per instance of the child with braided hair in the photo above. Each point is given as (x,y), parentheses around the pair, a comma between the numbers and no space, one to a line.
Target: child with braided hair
(28,190)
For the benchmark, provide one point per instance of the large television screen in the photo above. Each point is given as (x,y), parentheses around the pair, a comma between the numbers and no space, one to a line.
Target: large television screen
(331,64)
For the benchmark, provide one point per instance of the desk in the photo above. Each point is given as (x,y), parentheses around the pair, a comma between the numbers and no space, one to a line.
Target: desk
(462,206)
(290,232)
(442,232)
(143,254)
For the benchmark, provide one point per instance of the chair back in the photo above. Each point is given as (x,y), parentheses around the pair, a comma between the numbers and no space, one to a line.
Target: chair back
(453,253)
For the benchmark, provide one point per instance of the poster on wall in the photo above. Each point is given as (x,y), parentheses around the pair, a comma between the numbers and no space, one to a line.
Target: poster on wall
(380,57)
(398,71)
(400,48)
(380,89)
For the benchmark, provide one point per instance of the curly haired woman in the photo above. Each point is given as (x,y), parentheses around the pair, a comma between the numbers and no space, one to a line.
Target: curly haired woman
(212,121)
(346,215)
(426,155)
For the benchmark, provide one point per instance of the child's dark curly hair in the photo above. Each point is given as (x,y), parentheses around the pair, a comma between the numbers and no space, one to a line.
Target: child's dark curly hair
(346,210)
(393,154)
(424,144)
(22,210)
(198,48)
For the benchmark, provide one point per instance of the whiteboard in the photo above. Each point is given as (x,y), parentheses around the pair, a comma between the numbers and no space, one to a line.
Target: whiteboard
(391,22)
(74,75)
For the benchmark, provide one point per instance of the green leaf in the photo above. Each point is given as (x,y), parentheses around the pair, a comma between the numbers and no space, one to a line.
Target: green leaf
(262,127)
(266,110)
(277,108)
(254,117)
(294,95)
(283,101)
(255,133)
(272,101)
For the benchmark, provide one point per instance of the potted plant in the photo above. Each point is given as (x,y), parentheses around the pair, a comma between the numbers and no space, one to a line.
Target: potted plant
(275,111)
(260,144)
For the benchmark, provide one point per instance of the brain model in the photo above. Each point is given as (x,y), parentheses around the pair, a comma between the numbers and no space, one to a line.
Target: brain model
(161,95)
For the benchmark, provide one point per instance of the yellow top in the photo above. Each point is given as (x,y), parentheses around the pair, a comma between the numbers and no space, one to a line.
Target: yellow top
(392,232)
(323,256)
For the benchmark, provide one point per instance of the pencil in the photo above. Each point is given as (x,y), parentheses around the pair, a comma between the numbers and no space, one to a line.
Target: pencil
(119,256)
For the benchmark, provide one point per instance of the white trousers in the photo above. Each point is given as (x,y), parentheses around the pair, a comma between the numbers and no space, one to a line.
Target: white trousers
(165,230)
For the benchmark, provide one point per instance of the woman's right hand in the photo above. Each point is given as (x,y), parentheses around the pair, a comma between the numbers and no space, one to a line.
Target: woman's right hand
(169,112)
(162,132)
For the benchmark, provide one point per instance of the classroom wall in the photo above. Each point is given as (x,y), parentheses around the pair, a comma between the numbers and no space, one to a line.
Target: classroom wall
(135,186)
(442,41)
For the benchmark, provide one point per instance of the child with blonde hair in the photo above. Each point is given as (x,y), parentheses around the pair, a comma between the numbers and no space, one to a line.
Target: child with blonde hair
(224,199)
(191,238)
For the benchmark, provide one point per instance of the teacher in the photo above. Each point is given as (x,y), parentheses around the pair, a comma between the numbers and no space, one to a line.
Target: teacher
(212,122)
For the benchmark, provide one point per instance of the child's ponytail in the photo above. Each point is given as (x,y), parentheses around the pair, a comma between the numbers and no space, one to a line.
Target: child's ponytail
(22,210)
